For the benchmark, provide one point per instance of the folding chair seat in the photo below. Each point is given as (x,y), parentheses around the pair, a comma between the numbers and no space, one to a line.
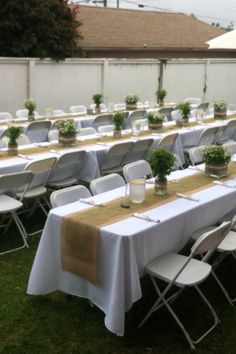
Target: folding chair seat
(68,195)
(66,170)
(37,132)
(9,205)
(182,272)
(137,169)
(138,151)
(112,161)
(106,183)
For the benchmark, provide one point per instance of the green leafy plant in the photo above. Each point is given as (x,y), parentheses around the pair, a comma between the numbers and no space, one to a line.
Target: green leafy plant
(184,108)
(13,133)
(44,29)
(131,99)
(118,119)
(97,99)
(67,128)
(155,118)
(161,94)
(220,106)
(31,105)
(161,162)
(216,155)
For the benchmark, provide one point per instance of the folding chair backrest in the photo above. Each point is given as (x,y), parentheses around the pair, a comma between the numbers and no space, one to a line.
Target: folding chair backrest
(195,154)
(115,156)
(168,141)
(230,130)
(22,113)
(138,151)
(167,112)
(42,170)
(178,165)
(193,100)
(176,115)
(119,106)
(231,146)
(137,169)
(207,136)
(219,134)
(13,182)
(106,128)
(67,166)
(209,241)
(5,115)
(103,119)
(106,183)
(87,131)
(203,106)
(68,195)
(37,132)
(53,134)
(80,109)
(139,114)
(58,113)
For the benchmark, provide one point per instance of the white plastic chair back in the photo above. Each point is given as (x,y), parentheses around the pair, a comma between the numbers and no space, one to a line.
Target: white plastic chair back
(5,116)
(106,128)
(53,134)
(176,115)
(42,170)
(138,151)
(102,106)
(119,106)
(178,165)
(80,109)
(87,131)
(167,112)
(114,157)
(229,131)
(193,101)
(139,114)
(195,154)
(106,183)
(207,136)
(168,141)
(103,119)
(58,113)
(22,113)
(67,166)
(68,195)
(137,169)
(37,132)
(22,140)
(13,182)
(231,147)
(203,106)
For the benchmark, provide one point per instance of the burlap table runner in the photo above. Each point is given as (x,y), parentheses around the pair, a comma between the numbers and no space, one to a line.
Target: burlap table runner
(80,230)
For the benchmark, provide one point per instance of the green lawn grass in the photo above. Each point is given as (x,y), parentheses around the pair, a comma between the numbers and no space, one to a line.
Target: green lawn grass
(56,323)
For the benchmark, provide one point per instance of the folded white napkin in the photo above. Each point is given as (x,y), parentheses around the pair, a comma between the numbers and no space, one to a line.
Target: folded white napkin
(186,196)
(103,144)
(224,184)
(25,157)
(55,152)
(145,217)
(91,202)
(195,168)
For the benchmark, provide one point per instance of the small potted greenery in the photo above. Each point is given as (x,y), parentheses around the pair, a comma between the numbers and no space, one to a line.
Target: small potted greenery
(97,99)
(131,101)
(162,162)
(31,105)
(220,109)
(216,159)
(118,119)
(13,133)
(185,109)
(161,94)
(155,120)
(67,132)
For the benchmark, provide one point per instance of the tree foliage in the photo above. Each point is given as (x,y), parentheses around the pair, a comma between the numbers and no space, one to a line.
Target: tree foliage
(39,28)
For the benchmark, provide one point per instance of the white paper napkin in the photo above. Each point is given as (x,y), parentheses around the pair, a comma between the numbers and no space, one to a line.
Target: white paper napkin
(224,184)
(187,196)
(25,157)
(145,217)
(91,202)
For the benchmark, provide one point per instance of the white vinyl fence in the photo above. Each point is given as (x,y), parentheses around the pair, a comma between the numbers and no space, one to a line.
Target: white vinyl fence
(74,81)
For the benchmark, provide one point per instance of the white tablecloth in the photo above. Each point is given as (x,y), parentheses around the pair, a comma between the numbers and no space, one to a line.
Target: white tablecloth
(124,249)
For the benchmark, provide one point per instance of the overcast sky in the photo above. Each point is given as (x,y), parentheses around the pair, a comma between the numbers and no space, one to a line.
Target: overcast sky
(218,11)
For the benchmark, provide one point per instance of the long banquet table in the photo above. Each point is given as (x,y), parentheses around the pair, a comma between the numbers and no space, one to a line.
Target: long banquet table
(125,248)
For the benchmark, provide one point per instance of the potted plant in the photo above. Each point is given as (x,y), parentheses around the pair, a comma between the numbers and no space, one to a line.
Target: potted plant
(118,119)
(13,133)
(185,109)
(131,101)
(216,159)
(31,105)
(161,94)
(67,132)
(220,108)
(97,99)
(155,120)
(161,162)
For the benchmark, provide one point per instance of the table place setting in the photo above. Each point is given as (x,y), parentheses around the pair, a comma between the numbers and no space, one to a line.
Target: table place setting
(188,197)
(145,217)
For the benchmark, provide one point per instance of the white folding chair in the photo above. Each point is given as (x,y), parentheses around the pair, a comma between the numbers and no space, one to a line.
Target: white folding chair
(228,134)
(58,113)
(105,128)
(231,147)
(119,106)
(102,119)
(167,112)
(53,134)
(37,132)
(138,151)
(5,116)
(68,195)
(112,161)
(194,101)
(168,142)
(106,183)
(182,272)
(80,109)
(176,115)
(65,172)
(195,154)
(137,169)
(87,131)
(102,106)
(9,205)
(133,116)
(22,113)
